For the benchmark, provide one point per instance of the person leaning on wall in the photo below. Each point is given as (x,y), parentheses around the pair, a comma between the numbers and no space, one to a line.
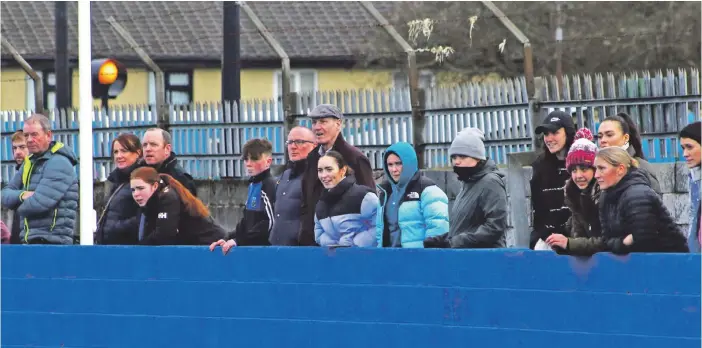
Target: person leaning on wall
(346,213)
(478,218)
(412,207)
(632,215)
(169,213)
(582,195)
(550,213)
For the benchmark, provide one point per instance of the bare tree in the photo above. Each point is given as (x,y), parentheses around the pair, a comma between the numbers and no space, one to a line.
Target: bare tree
(598,36)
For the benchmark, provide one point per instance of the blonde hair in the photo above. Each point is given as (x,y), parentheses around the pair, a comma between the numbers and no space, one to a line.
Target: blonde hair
(617,156)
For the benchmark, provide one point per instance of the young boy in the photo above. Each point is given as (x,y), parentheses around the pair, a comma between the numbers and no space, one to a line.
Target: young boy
(255,226)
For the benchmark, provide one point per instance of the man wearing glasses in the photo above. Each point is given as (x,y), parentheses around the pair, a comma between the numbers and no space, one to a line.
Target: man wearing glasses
(288,193)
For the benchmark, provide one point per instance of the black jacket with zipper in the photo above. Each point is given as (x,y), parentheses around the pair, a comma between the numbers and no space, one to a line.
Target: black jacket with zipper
(255,226)
(166,222)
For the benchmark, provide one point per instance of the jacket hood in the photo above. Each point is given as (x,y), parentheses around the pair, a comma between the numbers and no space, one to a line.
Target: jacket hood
(409,162)
(632,178)
(58,148)
(489,167)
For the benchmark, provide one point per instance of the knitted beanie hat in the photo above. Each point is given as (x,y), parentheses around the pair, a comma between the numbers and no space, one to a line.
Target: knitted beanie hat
(583,150)
(469,142)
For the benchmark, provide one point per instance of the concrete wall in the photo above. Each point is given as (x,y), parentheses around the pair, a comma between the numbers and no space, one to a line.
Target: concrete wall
(226,198)
(104,296)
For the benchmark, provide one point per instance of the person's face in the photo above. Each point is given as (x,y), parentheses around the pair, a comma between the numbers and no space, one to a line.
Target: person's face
(123,158)
(19,151)
(326,129)
(329,173)
(300,143)
(155,152)
(37,139)
(394,167)
(610,134)
(258,166)
(582,176)
(142,191)
(555,141)
(691,152)
(464,161)
(606,174)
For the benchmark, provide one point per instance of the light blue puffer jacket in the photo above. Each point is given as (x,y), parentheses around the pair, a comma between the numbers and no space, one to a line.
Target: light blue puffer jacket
(422,207)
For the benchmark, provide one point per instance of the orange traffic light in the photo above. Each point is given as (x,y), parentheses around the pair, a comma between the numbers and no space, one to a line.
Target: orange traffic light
(109,78)
(107,74)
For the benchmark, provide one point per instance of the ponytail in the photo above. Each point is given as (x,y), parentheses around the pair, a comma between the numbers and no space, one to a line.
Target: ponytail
(627,125)
(192,204)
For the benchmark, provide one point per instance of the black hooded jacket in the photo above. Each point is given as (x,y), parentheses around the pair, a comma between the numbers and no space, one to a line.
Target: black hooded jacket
(166,221)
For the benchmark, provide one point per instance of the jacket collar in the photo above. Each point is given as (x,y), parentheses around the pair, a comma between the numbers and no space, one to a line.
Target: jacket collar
(334,194)
(260,176)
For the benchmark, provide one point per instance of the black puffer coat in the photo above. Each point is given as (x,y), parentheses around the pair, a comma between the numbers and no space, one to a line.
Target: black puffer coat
(118,222)
(632,207)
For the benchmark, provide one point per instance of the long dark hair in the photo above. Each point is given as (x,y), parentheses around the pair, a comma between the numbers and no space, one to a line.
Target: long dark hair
(193,206)
(627,125)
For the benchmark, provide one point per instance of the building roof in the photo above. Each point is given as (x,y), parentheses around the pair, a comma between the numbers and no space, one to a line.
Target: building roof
(193,29)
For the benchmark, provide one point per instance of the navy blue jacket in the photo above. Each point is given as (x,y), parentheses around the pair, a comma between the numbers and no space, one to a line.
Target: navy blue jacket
(256,224)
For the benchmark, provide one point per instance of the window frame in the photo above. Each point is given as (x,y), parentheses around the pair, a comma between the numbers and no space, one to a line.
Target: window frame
(296,88)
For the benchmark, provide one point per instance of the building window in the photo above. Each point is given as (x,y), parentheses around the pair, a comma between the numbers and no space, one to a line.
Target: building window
(178,85)
(400,79)
(301,81)
(48,80)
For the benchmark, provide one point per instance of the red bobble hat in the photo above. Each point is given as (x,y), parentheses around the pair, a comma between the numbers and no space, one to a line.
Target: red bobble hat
(583,150)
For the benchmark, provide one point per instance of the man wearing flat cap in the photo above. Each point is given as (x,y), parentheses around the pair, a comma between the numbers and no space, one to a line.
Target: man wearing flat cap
(327,121)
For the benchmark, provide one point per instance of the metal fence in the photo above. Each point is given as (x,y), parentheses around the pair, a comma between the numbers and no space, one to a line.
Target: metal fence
(208,137)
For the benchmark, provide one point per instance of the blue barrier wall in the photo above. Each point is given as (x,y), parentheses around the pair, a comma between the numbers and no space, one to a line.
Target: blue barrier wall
(313,297)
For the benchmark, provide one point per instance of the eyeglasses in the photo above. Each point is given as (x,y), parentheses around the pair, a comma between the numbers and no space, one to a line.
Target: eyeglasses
(298,142)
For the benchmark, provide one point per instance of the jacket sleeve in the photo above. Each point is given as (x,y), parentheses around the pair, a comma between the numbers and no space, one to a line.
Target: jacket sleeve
(639,216)
(364,173)
(366,237)
(583,246)
(11,193)
(168,218)
(319,236)
(57,178)
(434,205)
(493,203)
(120,228)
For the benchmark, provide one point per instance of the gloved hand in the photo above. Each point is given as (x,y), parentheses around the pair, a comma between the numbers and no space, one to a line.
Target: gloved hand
(437,242)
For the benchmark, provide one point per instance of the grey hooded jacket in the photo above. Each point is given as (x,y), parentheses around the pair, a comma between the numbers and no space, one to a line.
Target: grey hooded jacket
(479,213)
(50,213)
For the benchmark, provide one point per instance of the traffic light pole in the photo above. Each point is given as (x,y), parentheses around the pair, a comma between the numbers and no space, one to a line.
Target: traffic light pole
(85,126)
(104,104)
(231,57)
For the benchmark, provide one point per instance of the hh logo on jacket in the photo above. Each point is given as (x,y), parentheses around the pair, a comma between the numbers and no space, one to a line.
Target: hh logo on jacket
(162,215)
